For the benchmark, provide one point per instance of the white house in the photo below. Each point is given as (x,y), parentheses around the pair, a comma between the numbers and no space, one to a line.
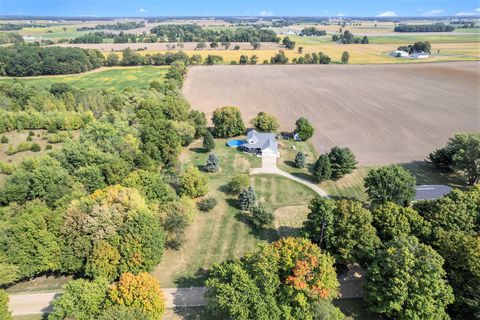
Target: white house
(420,55)
(399,53)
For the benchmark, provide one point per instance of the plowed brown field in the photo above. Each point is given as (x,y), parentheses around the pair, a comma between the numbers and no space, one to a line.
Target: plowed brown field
(384,113)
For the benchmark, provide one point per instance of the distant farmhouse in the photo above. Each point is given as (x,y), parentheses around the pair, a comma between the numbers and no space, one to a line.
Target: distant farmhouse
(399,53)
(260,143)
(431,192)
(404,54)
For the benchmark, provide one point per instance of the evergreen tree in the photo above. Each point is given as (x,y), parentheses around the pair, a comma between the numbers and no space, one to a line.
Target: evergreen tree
(342,160)
(212,164)
(300,160)
(208,142)
(247,199)
(322,169)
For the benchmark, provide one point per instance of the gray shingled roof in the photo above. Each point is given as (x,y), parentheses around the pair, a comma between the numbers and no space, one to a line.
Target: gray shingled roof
(262,140)
(431,192)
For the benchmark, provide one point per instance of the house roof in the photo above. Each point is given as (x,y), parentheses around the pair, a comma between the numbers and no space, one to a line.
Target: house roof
(262,140)
(431,192)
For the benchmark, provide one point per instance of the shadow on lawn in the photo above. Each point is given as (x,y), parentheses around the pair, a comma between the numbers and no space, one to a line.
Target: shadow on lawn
(191,313)
(198,150)
(197,280)
(427,173)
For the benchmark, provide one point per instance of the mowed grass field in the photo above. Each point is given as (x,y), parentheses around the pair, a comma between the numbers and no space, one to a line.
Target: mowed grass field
(103,78)
(224,232)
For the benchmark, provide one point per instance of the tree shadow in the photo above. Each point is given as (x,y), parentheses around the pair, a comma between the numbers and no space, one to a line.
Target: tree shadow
(261,233)
(224,189)
(290,163)
(287,231)
(198,150)
(427,173)
(197,280)
(304,176)
(194,313)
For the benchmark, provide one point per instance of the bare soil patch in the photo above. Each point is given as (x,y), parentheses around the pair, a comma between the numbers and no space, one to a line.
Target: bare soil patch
(384,113)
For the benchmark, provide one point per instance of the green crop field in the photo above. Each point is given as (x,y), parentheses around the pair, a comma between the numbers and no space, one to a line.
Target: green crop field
(406,38)
(104,78)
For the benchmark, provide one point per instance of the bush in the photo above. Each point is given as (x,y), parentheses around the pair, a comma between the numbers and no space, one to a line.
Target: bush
(239,182)
(207,204)
(48,147)
(35,147)
(4,139)
(247,199)
(300,160)
(29,138)
(31,134)
(261,216)
(212,163)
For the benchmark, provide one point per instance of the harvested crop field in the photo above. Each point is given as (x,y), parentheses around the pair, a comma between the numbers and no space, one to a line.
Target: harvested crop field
(384,113)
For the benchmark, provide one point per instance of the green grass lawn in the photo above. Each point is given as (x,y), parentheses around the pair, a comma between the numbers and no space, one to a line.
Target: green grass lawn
(224,232)
(115,77)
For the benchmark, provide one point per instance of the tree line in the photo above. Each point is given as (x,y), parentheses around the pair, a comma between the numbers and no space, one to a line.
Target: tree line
(29,60)
(437,27)
(312,32)
(348,38)
(117,26)
(417,47)
(195,33)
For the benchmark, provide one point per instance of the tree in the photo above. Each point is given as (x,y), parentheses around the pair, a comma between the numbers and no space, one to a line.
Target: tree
(279,58)
(207,204)
(322,169)
(265,122)
(226,44)
(238,183)
(406,281)
(462,154)
(208,142)
(390,184)
(123,313)
(212,164)
(344,228)
(243,59)
(345,57)
(198,120)
(253,59)
(300,160)
(193,183)
(288,43)
(261,215)
(247,199)
(29,240)
(214,44)
(227,122)
(393,221)
(151,185)
(8,273)
(4,313)
(364,40)
(131,58)
(304,129)
(81,299)
(342,161)
(461,252)
(116,215)
(112,60)
(300,50)
(140,292)
(200,45)
(324,310)
(175,217)
(280,281)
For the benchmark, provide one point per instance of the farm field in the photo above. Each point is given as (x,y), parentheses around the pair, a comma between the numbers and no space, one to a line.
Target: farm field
(385,114)
(103,78)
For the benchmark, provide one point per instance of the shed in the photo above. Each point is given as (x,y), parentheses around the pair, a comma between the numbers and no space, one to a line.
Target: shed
(400,53)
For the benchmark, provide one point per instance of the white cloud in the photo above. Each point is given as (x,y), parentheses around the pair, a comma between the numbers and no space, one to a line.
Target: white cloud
(387,14)
(141,10)
(434,12)
(340,15)
(266,13)
(467,14)
(477,10)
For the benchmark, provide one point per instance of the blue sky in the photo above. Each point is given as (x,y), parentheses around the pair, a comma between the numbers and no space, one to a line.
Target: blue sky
(368,8)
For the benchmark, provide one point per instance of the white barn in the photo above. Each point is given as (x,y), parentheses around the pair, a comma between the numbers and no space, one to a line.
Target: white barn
(399,53)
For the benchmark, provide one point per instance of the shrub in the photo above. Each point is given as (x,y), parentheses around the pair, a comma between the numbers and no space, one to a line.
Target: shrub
(208,142)
(48,147)
(212,163)
(239,182)
(35,147)
(29,138)
(247,199)
(261,216)
(207,204)
(300,160)
(31,134)
(4,139)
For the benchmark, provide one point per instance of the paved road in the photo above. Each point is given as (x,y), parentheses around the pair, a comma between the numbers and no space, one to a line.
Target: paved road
(35,303)
(269,166)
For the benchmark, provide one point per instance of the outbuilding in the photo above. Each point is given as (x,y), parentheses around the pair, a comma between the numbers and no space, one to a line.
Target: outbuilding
(420,55)
(400,53)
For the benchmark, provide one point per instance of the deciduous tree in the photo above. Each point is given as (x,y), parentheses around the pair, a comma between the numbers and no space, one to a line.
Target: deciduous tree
(304,129)
(265,122)
(228,122)
(193,183)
